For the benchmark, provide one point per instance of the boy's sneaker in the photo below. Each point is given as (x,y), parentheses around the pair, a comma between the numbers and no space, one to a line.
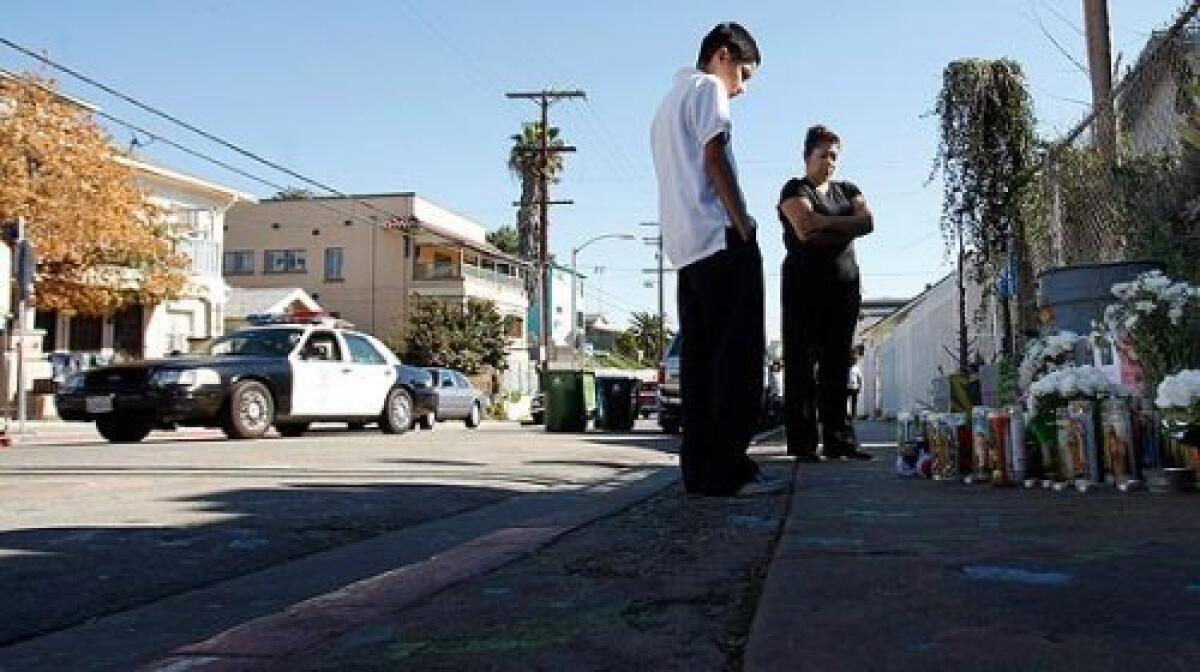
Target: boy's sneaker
(847,453)
(761,485)
(856,453)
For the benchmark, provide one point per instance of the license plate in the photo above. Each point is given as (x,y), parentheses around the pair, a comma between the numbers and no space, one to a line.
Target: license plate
(99,404)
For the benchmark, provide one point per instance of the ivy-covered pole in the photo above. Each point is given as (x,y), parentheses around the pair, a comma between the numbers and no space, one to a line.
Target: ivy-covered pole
(985,153)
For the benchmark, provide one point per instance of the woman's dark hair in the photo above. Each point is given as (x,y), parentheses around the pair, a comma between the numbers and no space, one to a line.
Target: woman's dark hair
(819,135)
(741,45)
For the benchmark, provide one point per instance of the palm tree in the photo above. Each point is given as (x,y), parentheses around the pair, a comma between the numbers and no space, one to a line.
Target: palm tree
(645,329)
(525,162)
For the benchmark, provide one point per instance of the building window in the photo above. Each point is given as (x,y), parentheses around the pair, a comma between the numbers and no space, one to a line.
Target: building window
(333,264)
(86,333)
(286,261)
(239,262)
(361,350)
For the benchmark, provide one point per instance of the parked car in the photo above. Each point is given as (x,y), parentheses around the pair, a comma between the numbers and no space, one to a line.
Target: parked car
(289,373)
(670,400)
(647,398)
(670,403)
(457,399)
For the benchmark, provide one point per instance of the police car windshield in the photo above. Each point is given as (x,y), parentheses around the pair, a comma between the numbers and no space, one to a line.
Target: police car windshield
(261,342)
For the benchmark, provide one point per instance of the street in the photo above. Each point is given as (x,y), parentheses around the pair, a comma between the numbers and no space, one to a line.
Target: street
(92,529)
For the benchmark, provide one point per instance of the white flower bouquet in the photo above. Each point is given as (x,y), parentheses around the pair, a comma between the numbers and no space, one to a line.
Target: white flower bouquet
(1179,399)
(1158,317)
(1045,354)
(1179,396)
(1077,382)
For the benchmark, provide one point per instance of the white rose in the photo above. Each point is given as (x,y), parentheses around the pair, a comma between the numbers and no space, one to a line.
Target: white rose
(1180,390)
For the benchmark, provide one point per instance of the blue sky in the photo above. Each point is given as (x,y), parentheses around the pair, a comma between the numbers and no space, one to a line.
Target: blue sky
(384,95)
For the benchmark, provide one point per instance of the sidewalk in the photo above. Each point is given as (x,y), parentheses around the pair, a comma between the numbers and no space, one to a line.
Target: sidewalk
(877,572)
(854,569)
(60,432)
(641,576)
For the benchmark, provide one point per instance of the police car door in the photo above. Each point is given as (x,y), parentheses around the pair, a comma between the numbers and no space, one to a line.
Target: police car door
(371,375)
(318,383)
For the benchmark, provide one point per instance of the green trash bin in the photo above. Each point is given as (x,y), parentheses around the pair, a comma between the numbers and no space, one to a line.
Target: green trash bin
(616,401)
(566,395)
(589,393)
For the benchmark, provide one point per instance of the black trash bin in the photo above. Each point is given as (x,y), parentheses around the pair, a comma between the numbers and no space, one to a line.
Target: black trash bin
(616,403)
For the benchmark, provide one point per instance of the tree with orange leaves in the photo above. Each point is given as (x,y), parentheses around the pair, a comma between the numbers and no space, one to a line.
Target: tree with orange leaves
(101,244)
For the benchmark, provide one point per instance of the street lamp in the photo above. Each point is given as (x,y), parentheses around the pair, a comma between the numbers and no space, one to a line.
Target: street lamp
(575,277)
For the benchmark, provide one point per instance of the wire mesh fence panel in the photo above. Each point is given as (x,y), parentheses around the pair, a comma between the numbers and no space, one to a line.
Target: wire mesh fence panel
(1143,200)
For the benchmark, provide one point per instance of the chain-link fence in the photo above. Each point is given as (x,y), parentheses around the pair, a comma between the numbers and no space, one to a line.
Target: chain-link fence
(1140,199)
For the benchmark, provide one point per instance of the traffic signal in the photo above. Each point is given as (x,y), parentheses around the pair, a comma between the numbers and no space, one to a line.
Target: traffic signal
(26,267)
(11,231)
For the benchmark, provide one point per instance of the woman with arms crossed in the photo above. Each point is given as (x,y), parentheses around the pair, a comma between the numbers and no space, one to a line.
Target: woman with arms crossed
(821,217)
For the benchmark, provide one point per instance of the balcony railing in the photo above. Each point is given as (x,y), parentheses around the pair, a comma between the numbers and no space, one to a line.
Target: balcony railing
(455,272)
(501,280)
(430,271)
(205,256)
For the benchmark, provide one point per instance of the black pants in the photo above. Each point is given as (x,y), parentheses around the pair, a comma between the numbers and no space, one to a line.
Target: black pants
(853,404)
(819,317)
(721,366)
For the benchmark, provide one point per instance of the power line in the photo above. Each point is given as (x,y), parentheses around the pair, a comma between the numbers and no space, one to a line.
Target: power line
(408,223)
(625,167)
(156,137)
(171,118)
(1071,24)
(612,299)
(1036,19)
(179,122)
(623,310)
(473,65)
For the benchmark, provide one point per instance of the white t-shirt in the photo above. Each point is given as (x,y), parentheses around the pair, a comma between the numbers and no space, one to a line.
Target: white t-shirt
(691,215)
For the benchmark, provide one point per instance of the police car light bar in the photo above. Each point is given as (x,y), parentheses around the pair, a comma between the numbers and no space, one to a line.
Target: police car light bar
(321,317)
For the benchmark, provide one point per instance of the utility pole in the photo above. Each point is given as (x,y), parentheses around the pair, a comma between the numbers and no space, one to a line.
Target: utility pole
(657,242)
(544,99)
(24,264)
(1096,29)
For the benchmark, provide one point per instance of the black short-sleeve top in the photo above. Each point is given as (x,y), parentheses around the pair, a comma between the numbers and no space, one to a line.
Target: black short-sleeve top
(834,263)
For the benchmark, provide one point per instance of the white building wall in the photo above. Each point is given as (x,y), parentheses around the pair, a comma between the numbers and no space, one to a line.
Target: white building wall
(196,215)
(906,352)
(560,305)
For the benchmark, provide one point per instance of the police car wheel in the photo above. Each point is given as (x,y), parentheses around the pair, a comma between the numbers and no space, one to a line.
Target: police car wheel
(123,430)
(250,411)
(397,414)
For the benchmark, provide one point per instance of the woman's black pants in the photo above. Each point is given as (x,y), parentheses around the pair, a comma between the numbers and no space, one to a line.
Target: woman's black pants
(819,317)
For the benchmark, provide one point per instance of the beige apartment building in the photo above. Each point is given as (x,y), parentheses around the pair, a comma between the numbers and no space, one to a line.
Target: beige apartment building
(370,257)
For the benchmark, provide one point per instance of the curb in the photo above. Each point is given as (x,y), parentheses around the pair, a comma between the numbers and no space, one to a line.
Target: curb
(768,435)
(271,641)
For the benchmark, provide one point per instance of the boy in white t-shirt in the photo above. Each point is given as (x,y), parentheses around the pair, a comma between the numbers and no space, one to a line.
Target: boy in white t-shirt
(710,238)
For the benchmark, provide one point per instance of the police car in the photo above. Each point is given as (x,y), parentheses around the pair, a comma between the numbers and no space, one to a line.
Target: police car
(287,372)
